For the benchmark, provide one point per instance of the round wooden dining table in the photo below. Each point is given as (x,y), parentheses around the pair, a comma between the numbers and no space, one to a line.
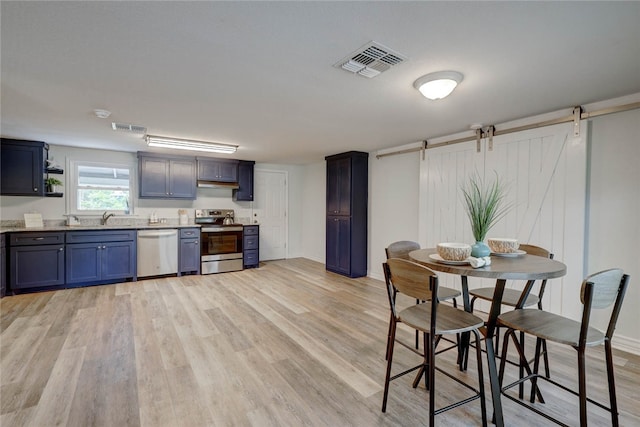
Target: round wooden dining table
(522,267)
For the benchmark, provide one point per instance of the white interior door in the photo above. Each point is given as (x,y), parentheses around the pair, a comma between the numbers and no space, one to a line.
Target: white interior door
(545,170)
(270,209)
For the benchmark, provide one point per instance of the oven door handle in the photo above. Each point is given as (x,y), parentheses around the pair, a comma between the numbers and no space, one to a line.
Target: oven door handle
(220,229)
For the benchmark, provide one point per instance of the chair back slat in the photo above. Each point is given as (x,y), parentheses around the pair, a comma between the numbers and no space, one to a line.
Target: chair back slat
(401,249)
(605,287)
(411,279)
(535,250)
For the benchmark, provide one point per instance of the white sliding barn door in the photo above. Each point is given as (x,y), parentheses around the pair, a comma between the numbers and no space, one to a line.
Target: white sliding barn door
(545,171)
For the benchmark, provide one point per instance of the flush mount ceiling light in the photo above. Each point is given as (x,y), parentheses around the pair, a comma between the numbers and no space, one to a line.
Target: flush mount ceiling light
(188,144)
(438,85)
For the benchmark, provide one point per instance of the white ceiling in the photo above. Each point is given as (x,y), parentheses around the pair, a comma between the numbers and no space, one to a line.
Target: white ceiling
(261,75)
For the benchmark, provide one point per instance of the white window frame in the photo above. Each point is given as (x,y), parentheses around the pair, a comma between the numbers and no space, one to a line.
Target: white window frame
(72,202)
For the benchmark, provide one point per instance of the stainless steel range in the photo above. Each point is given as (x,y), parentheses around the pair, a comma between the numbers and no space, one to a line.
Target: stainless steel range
(221,241)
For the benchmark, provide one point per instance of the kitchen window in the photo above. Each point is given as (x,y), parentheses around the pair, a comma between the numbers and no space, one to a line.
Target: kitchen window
(99,187)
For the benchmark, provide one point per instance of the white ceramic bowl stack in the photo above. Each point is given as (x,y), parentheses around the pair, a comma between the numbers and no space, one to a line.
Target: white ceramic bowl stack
(454,251)
(501,245)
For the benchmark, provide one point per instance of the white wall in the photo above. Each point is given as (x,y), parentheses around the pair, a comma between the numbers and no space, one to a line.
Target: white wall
(313,203)
(393,204)
(613,211)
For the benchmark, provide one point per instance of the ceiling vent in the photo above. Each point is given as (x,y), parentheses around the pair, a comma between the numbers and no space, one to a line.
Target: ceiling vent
(370,60)
(125,127)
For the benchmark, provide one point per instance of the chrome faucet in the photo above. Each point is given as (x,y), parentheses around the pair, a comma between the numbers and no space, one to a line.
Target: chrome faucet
(106,217)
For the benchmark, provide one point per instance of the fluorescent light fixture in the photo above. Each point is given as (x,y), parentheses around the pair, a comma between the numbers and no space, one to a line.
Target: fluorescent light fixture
(188,144)
(438,85)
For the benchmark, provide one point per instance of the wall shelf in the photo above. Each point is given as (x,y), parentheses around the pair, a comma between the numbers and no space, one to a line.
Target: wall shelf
(53,194)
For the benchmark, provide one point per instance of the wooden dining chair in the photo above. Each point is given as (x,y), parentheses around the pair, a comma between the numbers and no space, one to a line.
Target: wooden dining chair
(518,299)
(603,290)
(433,320)
(401,249)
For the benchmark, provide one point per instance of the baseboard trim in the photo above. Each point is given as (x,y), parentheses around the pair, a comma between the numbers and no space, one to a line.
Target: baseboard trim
(630,345)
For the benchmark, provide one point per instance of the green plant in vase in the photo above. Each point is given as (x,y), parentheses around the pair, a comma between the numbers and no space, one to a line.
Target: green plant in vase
(51,184)
(485,206)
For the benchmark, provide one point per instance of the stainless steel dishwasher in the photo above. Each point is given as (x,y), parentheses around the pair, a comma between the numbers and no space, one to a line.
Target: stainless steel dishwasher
(157,252)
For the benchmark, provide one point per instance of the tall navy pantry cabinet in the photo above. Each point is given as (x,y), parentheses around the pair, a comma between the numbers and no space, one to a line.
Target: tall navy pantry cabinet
(347,198)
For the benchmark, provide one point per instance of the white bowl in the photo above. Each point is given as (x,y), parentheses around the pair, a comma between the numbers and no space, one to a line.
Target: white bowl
(454,251)
(501,245)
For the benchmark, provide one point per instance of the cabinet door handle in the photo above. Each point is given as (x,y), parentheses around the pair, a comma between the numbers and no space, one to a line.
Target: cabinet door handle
(61,249)
(99,247)
(38,238)
(196,242)
(104,247)
(35,188)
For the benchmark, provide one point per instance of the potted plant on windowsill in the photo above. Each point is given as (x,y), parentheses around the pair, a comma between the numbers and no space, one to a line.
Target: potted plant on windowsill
(484,203)
(52,184)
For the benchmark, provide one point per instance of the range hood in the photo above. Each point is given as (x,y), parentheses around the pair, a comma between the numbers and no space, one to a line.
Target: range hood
(218,184)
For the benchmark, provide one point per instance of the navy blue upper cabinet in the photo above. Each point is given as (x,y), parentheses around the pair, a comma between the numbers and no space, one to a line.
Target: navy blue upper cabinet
(347,199)
(22,170)
(166,177)
(245,181)
(339,186)
(220,170)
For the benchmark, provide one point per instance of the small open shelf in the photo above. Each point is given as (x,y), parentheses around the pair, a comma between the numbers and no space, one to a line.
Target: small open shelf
(54,170)
(53,194)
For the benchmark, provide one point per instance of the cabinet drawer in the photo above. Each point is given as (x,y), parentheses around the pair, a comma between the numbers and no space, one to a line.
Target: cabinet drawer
(101,236)
(250,242)
(36,238)
(189,233)
(251,230)
(250,257)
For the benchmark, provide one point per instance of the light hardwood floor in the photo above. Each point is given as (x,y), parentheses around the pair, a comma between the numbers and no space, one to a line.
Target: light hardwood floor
(288,344)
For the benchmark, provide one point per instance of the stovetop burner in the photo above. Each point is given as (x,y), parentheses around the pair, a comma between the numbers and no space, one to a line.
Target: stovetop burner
(215,217)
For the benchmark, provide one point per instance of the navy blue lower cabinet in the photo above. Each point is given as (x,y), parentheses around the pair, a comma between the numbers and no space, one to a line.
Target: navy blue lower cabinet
(94,262)
(338,254)
(36,266)
(106,256)
(251,246)
(84,262)
(118,260)
(189,251)
(36,260)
